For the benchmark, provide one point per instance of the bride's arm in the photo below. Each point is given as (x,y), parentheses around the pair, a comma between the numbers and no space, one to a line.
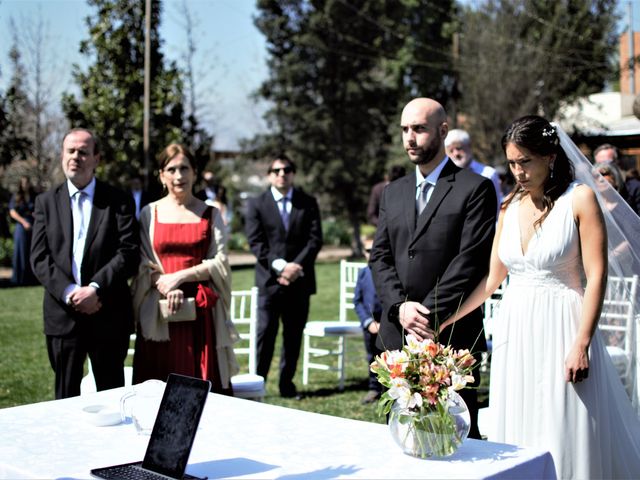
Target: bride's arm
(488,285)
(593,244)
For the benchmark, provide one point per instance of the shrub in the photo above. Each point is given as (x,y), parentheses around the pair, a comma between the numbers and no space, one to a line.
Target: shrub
(6,251)
(238,241)
(336,232)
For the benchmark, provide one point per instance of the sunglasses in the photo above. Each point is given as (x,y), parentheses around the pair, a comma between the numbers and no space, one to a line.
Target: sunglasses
(283,169)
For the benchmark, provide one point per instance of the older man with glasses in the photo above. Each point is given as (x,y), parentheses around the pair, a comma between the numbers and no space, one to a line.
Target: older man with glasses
(285,234)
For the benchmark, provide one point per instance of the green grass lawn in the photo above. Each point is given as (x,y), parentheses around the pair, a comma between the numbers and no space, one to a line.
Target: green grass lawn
(27,377)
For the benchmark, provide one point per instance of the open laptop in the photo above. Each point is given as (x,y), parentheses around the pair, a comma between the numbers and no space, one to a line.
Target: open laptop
(172,436)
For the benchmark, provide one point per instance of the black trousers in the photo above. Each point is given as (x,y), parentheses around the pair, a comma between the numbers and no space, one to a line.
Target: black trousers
(293,309)
(68,353)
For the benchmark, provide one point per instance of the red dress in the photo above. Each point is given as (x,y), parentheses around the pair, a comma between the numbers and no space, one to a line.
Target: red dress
(192,346)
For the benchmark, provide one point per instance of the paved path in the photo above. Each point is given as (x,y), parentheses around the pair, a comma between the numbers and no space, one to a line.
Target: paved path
(244,259)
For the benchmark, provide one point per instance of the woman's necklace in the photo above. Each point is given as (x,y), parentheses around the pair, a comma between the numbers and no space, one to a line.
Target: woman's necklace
(535,211)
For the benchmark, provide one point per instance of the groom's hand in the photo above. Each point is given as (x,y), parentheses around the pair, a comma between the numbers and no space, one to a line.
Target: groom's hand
(413,317)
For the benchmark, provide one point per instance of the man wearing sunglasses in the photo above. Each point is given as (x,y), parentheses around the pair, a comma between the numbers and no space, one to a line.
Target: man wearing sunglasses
(285,234)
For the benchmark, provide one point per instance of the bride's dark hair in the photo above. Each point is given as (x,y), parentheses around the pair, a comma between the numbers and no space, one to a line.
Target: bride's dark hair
(539,137)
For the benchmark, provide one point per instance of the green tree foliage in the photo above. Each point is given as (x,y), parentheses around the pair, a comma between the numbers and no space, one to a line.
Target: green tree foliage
(520,57)
(112,88)
(339,71)
(14,136)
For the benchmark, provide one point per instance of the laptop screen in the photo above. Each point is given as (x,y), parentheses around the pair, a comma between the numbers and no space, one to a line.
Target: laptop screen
(176,424)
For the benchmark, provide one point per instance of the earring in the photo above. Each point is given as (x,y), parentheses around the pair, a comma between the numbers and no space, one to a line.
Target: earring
(551,173)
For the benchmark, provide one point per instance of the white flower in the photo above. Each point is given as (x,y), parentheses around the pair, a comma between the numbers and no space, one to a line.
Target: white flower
(401,392)
(415,400)
(416,347)
(458,382)
(398,357)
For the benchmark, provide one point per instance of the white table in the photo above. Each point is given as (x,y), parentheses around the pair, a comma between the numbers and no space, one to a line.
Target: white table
(243,439)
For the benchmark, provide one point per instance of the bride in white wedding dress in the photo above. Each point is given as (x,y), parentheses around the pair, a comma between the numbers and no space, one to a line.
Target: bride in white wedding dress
(553,385)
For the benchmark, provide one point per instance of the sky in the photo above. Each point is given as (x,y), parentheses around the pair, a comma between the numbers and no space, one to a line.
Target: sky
(230,55)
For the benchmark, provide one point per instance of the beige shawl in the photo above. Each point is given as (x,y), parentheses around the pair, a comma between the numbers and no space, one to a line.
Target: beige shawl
(214,268)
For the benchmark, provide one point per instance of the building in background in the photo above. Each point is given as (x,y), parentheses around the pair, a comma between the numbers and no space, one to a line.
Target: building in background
(610,117)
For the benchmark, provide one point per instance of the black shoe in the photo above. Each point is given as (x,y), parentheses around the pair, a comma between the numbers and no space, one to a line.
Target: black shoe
(293,395)
(288,391)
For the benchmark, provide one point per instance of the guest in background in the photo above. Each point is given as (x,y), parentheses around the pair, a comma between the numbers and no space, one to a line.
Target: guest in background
(83,251)
(285,234)
(612,174)
(210,191)
(397,171)
(605,153)
(183,258)
(21,208)
(506,183)
(222,204)
(140,196)
(458,147)
(632,184)
(369,310)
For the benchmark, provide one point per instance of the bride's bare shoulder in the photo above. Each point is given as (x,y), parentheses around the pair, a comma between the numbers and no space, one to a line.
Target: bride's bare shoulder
(583,192)
(584,201)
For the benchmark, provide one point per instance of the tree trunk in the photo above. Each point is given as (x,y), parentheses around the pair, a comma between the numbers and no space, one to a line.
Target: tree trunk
(356,242)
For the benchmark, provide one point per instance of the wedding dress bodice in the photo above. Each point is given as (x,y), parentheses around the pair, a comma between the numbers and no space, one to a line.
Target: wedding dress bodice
(552,257)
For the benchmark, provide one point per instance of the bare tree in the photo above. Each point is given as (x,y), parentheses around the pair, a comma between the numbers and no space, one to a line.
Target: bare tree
(44,122)
(196,109)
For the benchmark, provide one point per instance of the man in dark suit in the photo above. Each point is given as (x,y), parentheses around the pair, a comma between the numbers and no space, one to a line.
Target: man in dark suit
(141,197)
(84,248)
(285,234)
(373,206)
(210,191)
(433,242)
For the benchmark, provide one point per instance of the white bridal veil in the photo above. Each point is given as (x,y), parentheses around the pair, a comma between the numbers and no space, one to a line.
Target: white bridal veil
(623,231)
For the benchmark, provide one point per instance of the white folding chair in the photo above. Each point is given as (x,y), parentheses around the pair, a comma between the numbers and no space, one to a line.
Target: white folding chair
(336,330)
(491,306)
(88,383)
(244,315)
(617,324)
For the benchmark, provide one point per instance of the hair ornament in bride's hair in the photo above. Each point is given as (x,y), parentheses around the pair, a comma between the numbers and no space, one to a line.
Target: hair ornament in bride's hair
(551,133)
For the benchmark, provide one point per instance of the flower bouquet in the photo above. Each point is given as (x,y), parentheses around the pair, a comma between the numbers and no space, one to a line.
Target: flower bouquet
(427,417)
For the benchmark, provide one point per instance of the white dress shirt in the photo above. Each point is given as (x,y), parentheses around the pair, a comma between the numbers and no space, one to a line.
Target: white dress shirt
(80,218)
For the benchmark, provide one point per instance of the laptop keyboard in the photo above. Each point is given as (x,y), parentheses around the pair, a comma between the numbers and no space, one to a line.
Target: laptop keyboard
(129,472)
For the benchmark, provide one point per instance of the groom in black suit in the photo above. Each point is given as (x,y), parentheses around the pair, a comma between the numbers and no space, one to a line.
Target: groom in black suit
(84,248)
(433,242)
(285,234)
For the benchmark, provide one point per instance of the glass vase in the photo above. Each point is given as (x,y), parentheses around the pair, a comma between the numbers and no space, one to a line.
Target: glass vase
(437,432)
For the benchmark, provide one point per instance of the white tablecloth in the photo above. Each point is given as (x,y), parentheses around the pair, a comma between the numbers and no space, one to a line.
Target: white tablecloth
(243,439)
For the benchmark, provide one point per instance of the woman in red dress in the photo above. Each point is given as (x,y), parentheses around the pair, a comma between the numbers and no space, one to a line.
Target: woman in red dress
(183,256)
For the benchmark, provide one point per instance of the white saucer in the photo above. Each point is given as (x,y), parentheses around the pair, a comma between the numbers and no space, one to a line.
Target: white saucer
(101,415)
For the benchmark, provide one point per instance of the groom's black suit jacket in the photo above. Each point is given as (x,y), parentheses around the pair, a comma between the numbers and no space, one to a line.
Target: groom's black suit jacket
(110,258)
(439,258)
